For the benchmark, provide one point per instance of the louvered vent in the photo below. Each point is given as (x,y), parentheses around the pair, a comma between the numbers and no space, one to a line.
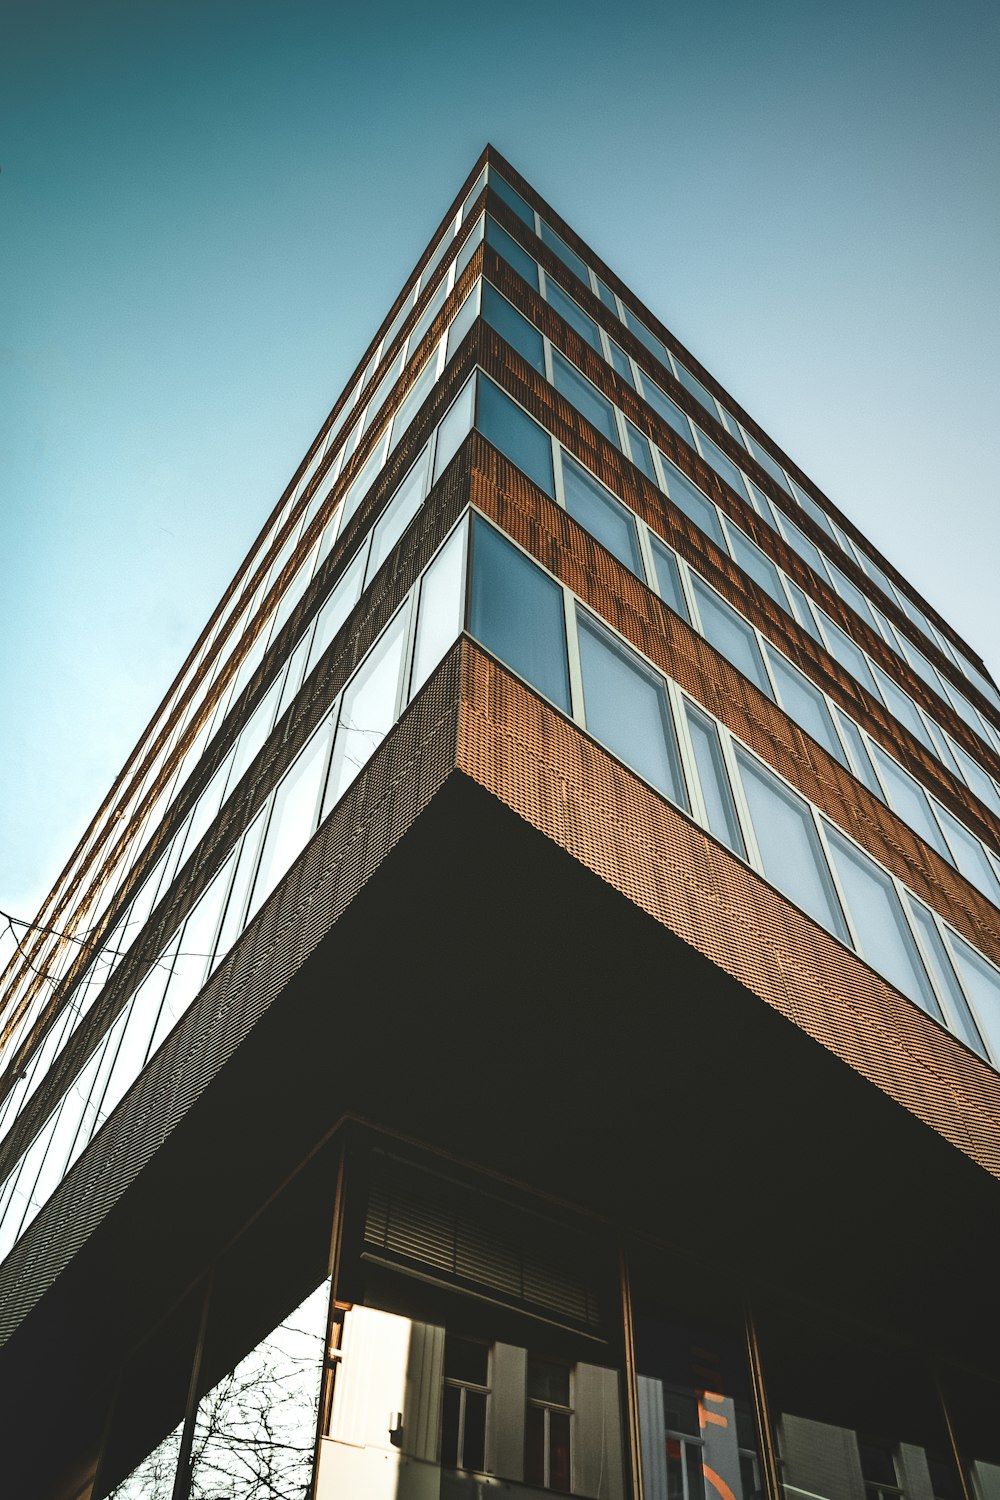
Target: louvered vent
(417,1220)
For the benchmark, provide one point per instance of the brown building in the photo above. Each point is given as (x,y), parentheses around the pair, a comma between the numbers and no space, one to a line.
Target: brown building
(526,1017)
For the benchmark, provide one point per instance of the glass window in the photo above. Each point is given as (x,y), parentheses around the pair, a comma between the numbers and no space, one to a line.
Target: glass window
(668,577)
(587,399)
(976,778)
(970,856)
(722,464)
(337,606)
(513,200)
(729,633)
(598,512)
(902,706)
(715,789)
(668,410)
(812,510)
(363,481)
(569,257)
(697,1429)
(851,594)
(804,702)
(636,326)
(689,498)
(232,922)
(731,425)
(850,656)
(454,427)
(415,397)
(754,562)
(377,398)
(695,387)
(789,845)
(606,295)
(367,710)
(255,1429)
(908,798)
(801,544)
(620,363)
(516,612)
(801,609)
(513,328)
(397,515)
(508,427)
(470,245)
(253,734)
(982,984)
(438,255)
(767,463)
(473,194)
(640,452)
(293,817)
(572,313)
(442,606)
(430,312)
(862,765)
(627,709)
(941,969)
(884,937)
(463,320)
(514,254)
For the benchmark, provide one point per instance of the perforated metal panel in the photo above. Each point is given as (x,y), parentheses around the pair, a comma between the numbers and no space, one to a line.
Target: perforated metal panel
(549,773)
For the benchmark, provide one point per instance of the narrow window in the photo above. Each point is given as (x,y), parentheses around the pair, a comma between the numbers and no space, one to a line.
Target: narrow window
(789,845)
(597,510)
(627,709)
(508,427)
(517,613)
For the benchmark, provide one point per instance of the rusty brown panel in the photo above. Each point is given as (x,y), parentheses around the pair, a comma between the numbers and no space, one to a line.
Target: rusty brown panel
(718,568)
(552,775)
(614,593)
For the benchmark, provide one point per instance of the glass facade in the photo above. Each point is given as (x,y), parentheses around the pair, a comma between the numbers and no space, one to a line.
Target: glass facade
(581,505)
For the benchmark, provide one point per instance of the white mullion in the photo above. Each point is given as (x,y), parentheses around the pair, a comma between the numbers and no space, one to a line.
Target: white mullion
(406,656)
(646,554)
(687,589)
(658,470)
(853,938)
(576,699)
(726,742)
(925,957)
(543,284)
(689,765)
(461,1427)
(557,471)
(547,360)
(623,438)
(762,646)
(945,931)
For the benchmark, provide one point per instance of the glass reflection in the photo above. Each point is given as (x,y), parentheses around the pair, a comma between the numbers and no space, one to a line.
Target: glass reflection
(697,1426)
(255,1431)
(153,1479)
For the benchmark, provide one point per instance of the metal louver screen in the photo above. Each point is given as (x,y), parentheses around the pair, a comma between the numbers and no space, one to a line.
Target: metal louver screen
(415,1219)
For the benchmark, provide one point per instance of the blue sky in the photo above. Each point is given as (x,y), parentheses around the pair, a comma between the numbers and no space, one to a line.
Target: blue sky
(207,210)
